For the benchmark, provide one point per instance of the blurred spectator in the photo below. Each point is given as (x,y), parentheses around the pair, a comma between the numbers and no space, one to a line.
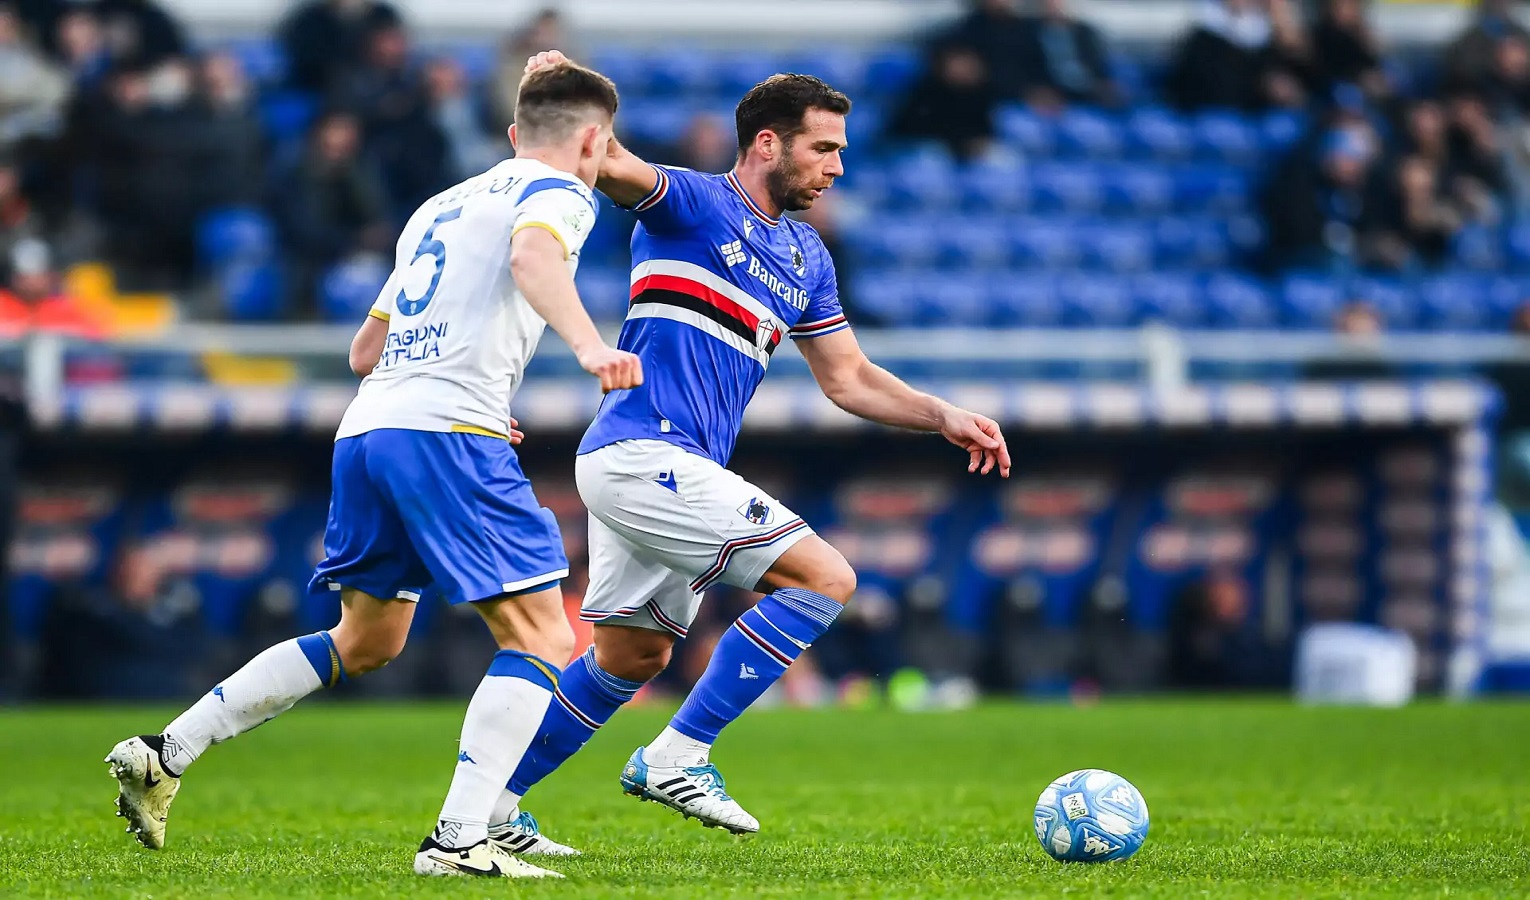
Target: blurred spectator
(32,89)
(1473,180)
(231,140)
(139,32)
(1316,212)
(324,39)
(1471,55)
(1359,327)
(330,205)
(81,46)
(546,31)
(457,116)
(1345,49)
(1505,85)
(825,216)
(34,301)
(709,144)
(1067,61)
(1477,149)
(1242,54)
(18,221)
(952,103)
(1415,223)
(1214,641)
(410,150)
(997,34)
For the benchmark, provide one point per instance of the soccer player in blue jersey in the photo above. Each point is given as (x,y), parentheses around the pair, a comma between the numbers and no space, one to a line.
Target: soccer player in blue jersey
(719,277)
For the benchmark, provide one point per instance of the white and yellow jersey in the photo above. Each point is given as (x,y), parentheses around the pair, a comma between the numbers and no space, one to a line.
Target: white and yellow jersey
(459,331)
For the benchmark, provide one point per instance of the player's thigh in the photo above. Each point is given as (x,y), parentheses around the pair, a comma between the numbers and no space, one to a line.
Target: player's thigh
(366,546)
(471,514)
(632,587)
(813,564)
(531,622)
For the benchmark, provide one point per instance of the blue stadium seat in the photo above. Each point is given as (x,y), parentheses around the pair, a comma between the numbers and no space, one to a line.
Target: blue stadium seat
(951,299)
(895,242)
(1090,134)
(626,66)
(925,179)
(844,66)
(734,72)
(1209,188)
(1139,189)
(970,242)
(995,187)
(1227,136)
(1192,242)
(1238,301)
(605,292)
(1281,129)
(681,71)
(893,68)
(1028,130)
(1394,300)
(654,121)
(1096,301)
(1043,243)
(1311,301)
(1171,299)
(1518,245)
(350,288)
(286,115)
(478,58)
(1479,247)
(251,291)
(234,234)
(887,297)
(1159,134)
(1025,299)
(263,60)
(1459,301)
(1069,187)
(1117,246)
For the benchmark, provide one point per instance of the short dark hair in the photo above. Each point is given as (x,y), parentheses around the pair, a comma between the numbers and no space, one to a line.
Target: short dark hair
(556,99)
(778,104)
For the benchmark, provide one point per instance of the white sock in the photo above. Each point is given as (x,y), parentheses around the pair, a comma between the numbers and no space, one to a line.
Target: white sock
(502,719)
(506,808)
(671,748)
(266,687)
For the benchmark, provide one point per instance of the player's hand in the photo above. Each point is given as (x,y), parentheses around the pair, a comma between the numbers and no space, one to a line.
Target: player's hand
(544,59)
(980,437)
(617,370)
(516,436)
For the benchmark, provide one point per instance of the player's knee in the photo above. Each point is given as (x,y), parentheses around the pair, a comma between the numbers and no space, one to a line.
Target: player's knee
(834,579)
(636,656)
(369,650)
(555,643)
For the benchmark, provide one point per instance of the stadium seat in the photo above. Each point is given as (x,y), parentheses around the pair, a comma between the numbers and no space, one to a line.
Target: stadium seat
(1457,301)
(1311,301)
(1068,187)
(734,72)
(893,243)
(886,297)
(951,299)
(1281,129)
(235,234)
(845,67)
(1209,188)
(1116,246)
(998,186)
(1096,301)
(1227,136)
(1394,300)
(681,71)
(251,291)
(605,291)
(1479,247)
(1032,133)
(626,66)
(1238,301)
(924,179)
(349,289)
(1025,299)
(1042,243)
(969,242)
(1159,134)
(1517,243)
(286,115)
(1170,299)
(1192,242)
(892,68)
(1139,189)
(1089,134)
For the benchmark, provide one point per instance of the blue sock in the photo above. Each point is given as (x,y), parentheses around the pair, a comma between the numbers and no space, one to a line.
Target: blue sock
(751,656)
(585,699)
(320,650)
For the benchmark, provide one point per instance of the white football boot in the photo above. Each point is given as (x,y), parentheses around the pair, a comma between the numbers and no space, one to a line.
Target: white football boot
(522,837)
(144,790)
(693,791)
(485,859)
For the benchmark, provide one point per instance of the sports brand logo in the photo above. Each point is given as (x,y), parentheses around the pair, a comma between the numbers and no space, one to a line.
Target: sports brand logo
(748,227)
(758,512)
(733,253)
(747,672)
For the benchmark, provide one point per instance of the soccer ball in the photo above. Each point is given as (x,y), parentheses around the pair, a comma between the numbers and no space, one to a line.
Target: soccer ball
(1091,816)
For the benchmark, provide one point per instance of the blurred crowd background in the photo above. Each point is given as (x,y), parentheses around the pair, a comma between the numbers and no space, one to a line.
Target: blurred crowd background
(1274,167)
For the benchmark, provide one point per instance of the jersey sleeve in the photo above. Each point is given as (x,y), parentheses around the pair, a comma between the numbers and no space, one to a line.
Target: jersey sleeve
(565,209)
(382,307)
(824,315)
(680,200)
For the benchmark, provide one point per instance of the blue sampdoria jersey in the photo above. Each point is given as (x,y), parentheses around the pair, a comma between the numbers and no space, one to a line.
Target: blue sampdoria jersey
(716,285)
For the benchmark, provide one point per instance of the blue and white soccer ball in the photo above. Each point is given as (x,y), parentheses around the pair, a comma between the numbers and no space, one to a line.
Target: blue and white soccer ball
(1091,816)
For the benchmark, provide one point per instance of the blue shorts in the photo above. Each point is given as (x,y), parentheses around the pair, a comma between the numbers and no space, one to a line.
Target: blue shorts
(411,510)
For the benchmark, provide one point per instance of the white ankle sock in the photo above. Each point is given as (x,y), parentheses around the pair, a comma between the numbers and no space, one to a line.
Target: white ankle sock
(267,686)
(671,748)
(502,719)
(507,807)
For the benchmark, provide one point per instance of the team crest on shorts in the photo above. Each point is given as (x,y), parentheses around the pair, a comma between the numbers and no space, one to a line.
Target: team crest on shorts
(758,512)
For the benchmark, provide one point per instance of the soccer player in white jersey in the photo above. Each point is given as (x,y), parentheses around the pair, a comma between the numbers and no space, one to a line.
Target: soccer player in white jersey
(719,278)
(427,492)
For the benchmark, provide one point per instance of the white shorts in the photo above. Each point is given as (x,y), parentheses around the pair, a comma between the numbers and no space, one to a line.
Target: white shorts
(666,524)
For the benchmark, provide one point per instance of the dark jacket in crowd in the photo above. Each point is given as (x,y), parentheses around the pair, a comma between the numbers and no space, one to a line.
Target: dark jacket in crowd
(321,44)
(1068,57)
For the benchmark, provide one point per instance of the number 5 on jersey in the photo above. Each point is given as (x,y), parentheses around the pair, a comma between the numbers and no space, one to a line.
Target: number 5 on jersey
(429,246)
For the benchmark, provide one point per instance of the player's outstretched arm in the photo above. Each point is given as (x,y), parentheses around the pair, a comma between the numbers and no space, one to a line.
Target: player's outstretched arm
(367,345)
(860,387)
(540,269)
(624,177)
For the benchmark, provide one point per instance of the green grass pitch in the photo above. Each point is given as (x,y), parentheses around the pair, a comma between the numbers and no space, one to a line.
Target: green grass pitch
(1248,798)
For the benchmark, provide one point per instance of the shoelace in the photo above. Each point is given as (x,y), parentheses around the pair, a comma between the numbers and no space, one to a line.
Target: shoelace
(710,780)
(526,822)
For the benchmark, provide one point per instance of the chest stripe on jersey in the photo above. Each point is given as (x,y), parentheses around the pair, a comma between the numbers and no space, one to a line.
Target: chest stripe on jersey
(699,298)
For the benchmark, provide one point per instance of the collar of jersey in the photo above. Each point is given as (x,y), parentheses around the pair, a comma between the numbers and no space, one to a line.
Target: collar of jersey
(743,195)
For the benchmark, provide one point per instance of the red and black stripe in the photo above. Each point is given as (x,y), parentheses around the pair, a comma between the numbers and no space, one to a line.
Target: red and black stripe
(673,290)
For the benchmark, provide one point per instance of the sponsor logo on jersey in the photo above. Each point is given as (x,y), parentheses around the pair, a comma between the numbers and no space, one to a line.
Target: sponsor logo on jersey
(796,296)
(413,344)
(733,253)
